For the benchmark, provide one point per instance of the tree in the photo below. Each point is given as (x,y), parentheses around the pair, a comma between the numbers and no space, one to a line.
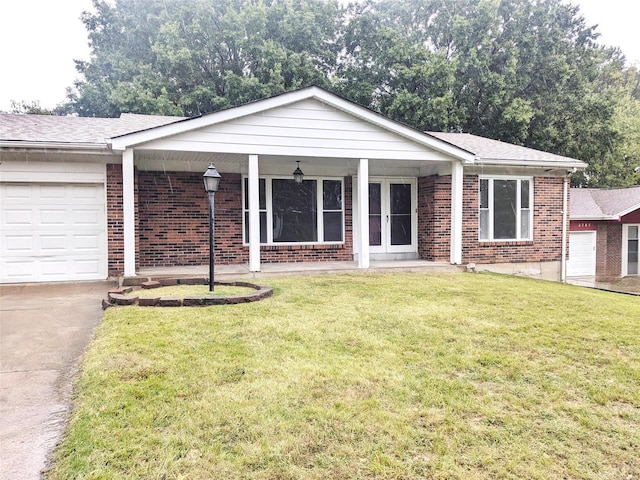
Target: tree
(34,107)
(521,71)
(528,72)
(188,57)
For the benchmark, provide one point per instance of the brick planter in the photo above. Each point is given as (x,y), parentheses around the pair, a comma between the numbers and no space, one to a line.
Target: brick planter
(118,297)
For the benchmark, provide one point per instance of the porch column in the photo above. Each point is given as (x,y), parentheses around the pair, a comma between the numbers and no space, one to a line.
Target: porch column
(128,214)
(254,215)
(457,175)
(363,209)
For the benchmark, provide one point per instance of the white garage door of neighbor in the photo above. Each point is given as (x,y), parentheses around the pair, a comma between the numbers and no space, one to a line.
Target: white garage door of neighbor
(582,254)
(52,232)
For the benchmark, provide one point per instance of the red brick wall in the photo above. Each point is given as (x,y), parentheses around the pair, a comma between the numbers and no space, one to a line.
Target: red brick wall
(547,227)
(434,223)
(172,223)
(115,238)
(609,250)
(434,218)
(173,215)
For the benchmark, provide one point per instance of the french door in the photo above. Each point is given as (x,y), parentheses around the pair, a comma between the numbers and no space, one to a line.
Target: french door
(630,249)
(392,216)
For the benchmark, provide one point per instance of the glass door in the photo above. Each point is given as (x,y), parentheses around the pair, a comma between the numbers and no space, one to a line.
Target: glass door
(392,216)
(632,249)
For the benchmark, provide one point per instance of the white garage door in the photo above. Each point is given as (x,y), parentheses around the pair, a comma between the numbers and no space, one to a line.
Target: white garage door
(582,254)
(52,232)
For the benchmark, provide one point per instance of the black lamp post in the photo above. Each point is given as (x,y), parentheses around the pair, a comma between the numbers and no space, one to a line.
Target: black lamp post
(211,182)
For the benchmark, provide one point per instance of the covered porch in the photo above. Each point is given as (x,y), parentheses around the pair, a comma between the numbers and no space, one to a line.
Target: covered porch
(347,153)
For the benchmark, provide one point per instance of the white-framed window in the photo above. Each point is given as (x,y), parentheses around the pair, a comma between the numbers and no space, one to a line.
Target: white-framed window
(630,249)
(309,213)
(506,208)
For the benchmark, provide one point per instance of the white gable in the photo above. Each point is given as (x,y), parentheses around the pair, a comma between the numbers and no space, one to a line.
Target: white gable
(307,128)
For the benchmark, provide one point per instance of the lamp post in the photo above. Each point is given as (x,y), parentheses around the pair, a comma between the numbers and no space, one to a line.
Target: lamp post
(211,182)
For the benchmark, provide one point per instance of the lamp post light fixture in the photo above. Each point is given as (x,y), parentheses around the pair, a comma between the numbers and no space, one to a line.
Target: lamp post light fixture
(297,173)
(211,183)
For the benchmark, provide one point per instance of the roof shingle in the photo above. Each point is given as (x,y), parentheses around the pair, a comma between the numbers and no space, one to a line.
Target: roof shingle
(81,130)
(487,149)
(603,203)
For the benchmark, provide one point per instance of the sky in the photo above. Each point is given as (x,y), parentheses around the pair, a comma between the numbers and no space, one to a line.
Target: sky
(39,39)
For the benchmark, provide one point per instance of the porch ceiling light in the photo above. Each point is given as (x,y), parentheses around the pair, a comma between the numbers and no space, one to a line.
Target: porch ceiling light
(211,179)
(297,173)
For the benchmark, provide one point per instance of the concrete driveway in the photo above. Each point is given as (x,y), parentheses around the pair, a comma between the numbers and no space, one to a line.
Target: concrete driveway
(44,330)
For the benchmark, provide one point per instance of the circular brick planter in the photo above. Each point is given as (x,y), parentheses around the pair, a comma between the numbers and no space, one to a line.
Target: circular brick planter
(119,296)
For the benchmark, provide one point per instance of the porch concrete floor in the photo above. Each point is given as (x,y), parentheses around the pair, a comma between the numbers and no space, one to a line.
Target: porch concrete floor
(629,285)
(233,272)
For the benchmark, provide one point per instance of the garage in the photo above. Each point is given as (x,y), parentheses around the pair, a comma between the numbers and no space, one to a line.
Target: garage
(52,232)
(582,254)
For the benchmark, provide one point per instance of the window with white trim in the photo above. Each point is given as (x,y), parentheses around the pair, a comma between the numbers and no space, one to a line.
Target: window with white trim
(506,208)
(310,212)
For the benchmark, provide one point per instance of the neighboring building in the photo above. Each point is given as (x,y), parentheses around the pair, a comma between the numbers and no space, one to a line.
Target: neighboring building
(87,198)
(604,232)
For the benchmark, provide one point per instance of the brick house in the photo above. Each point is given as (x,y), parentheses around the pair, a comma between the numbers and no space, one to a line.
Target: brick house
(87,198)
(604,232)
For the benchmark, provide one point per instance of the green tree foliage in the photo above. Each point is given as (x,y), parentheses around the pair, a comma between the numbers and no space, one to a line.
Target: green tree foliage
(188,57)
(25,107)
(529,72)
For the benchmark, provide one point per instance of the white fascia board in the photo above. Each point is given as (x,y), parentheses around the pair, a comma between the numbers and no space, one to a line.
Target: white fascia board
(628,211)
(595,217)
(66,146)
(133,139)
(569,164)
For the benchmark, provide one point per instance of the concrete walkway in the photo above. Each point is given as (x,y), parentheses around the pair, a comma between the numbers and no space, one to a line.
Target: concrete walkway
(626,285)
(44,330)
(235,272)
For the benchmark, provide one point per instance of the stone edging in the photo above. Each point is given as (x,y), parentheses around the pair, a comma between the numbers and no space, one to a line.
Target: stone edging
(119,296)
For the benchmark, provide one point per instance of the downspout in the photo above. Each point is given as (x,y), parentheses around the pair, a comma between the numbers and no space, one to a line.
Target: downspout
(563,263)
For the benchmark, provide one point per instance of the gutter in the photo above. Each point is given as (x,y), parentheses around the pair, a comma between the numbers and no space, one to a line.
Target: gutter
(563,263)
(63,147)
(532,163)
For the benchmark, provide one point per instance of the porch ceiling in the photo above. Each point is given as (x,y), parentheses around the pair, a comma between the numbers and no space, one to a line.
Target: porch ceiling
(161,160)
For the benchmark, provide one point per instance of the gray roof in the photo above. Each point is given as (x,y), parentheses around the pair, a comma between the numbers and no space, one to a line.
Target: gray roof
(49,129)
(496,152)
(603,203)
(76,130)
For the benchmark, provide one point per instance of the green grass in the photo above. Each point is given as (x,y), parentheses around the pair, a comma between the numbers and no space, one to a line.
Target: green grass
(462,376)
(182,291)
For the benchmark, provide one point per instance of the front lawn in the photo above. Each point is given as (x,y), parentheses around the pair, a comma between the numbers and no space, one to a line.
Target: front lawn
(396,376)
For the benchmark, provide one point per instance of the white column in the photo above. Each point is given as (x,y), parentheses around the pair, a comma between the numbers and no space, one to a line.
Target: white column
(363,213)
(457,175)
(254,215)
(128,214)
(565,206)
